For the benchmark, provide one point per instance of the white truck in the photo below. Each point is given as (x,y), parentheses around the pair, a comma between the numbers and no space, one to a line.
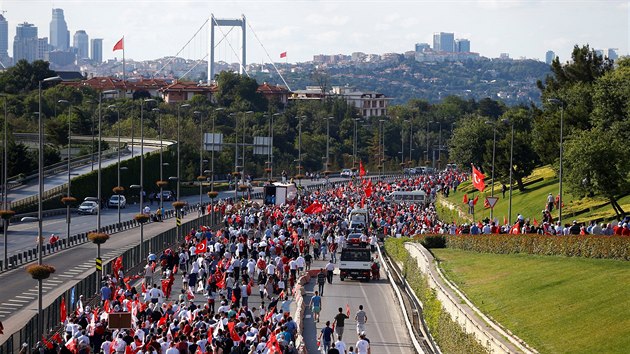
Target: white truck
(358,219)
(355,263)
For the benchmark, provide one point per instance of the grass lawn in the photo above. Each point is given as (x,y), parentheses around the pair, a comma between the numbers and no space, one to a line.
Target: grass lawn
(555,304)
(530,202)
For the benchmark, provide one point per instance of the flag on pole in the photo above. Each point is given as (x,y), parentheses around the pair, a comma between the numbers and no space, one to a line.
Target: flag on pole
(283,55)
(202,247)
(477,179)
(361,169)
(63,310)
(476,200)
(465,200)
(348,310)
(120,45)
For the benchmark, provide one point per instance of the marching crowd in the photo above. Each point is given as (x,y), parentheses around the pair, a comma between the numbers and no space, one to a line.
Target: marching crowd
(244,271)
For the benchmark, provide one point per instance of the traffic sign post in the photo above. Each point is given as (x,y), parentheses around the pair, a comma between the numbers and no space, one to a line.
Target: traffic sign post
(178,221)
(99,264)
(492,201)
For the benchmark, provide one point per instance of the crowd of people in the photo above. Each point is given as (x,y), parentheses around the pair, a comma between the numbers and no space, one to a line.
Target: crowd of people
(234,281)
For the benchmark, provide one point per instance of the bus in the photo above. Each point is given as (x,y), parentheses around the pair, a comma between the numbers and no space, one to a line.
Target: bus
(417,196)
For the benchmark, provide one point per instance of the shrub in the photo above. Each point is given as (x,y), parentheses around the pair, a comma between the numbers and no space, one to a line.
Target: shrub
(587,246)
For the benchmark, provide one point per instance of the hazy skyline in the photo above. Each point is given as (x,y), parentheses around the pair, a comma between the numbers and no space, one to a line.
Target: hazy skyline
(157,28)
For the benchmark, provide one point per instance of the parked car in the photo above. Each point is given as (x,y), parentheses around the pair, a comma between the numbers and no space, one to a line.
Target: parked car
(346,172)
(88,207)
(167,195)
(115,199)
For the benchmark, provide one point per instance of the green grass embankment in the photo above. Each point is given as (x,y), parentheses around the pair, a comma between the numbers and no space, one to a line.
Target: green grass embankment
(556,304)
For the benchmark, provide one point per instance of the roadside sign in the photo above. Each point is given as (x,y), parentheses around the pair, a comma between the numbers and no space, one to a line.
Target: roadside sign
(99,264)
(492,201)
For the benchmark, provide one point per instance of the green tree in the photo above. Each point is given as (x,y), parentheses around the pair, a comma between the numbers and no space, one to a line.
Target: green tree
(24,76)
(595,163)
(239,92)
(468,143)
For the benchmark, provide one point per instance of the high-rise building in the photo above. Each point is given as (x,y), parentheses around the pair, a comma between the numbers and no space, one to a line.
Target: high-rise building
(612,54)
(421,47)
(444,42)
(462,45)
(81,43)
(59,34)
(4,39)
(25,43)
(549,57)
(43,49)
(96,50)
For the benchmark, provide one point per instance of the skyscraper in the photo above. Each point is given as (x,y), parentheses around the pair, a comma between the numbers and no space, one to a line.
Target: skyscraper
(25,43)
(96,50)
(4,39)
(611,53)
(549,57)
(421,47)
(81,43)
(462,45)
(444,42)
(59,34)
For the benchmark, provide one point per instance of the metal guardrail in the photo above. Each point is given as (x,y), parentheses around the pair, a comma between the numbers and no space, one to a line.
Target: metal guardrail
(87,286)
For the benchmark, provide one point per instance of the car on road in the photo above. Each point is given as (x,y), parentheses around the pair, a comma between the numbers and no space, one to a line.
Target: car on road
(166,196)
(116,199)
(354,239)
(88,207)
(346,172)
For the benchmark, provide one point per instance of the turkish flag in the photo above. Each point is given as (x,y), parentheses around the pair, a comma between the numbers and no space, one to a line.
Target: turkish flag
(201,247)
(273,345)
(535,222)
(314,208)
(465,201)
(475,200)
(361,169)
(516,229)
(477,179)
(348,310)
(235,337)
(283,55)
(63,310)
(120,45)
(368,189)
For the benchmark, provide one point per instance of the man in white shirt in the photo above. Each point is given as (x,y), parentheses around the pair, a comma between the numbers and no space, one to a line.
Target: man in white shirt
(363,345)
(341,346)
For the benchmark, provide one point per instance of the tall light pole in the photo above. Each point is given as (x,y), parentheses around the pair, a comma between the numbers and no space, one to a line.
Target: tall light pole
(410,139)
(271,148)
(113,106)
(186,105)
(427,156)
(382,154)
(157,111)
(148,100)
(199,178)
(511,167)
(40,231)
(68,157)
(354,144)
(5,192)
(494,149)
(244,154)
(328,119)
(216,110)
(300,147)
(402,144)
(440,147)
(560,103)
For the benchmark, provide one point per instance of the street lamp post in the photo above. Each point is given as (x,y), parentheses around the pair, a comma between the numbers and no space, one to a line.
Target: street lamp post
(439,147)
(328,143)
(494,148)
(40,231)
(271,149)
(141,185)
(427,156)
(68,157)
(244,154)
(410,139)
(561,104)
(178,146)
(157,110)
(511,167)
(216,110)
(5,191)
(199,179)
(382,154)
(113,106)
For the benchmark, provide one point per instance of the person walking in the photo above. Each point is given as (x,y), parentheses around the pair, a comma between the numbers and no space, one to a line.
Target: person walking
(325,337)
(316,306)
(339,323)
(363,345)
(321,280)
(330,267)
(361,319)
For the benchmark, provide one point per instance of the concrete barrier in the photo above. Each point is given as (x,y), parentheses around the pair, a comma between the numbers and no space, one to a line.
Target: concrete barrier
(462,311)
(298,296)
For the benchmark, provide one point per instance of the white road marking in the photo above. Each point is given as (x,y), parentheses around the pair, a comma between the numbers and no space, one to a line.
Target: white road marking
(25,297)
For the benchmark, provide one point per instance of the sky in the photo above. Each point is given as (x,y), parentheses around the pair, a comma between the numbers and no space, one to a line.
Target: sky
(303,28)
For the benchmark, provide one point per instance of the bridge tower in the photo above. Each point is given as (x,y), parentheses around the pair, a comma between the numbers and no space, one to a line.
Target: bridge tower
(226,23)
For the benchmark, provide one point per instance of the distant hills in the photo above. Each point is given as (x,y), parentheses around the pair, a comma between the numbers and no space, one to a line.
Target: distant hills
(511,81)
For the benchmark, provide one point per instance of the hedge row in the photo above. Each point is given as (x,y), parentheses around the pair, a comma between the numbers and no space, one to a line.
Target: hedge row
(448,334)
(587,246)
